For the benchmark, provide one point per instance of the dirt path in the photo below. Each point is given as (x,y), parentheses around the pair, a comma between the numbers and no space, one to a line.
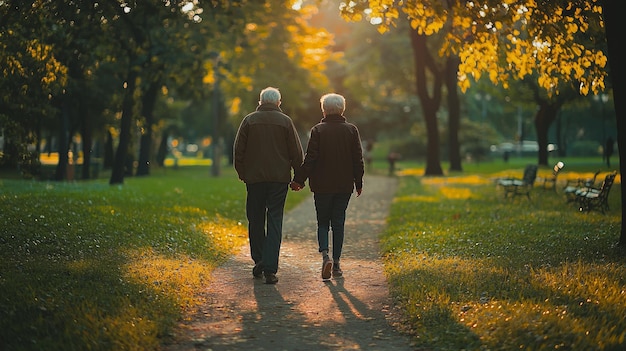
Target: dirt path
(301,312)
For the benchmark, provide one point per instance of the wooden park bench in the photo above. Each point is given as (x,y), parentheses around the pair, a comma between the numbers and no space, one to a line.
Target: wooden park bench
(596,198)
(574,186)
(516,186)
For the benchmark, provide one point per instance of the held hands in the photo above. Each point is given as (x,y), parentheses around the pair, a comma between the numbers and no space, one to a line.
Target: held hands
(295,186)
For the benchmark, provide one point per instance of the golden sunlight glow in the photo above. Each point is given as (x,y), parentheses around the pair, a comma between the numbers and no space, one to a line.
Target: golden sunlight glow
(456,193)
(469,179)
(297,5)
(416,198)
(411,172)
(225,234)
(183,276)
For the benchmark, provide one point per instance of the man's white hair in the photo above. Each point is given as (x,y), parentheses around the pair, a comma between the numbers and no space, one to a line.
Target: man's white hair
(269,95)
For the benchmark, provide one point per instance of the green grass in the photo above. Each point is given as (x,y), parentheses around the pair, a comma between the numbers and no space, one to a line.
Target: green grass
(475,271)
(86,265)
(90,266)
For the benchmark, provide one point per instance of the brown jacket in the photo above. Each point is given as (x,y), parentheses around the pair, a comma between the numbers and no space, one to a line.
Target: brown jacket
(267,146)
(334,158)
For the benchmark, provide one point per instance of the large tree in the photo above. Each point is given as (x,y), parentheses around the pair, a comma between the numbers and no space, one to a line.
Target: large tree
(612,19)
(505,41)
(557,41)
(75,36)
(30,77)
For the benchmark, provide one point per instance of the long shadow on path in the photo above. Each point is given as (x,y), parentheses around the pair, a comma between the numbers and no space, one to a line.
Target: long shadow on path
(302,312)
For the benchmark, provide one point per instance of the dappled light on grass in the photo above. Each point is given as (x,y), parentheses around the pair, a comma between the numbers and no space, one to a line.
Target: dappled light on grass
(187,161)
(505,273)
(410,172)
(225,235)
(179,278)
(569,306)
(468,180)
(415,198)
(573,176)
(112,268)
(456,193)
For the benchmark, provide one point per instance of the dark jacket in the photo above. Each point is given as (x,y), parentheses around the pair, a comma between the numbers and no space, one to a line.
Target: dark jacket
(267,146)
(334,158)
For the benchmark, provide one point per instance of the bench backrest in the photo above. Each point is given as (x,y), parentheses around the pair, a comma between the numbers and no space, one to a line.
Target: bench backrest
(606,185)
(592,181)
(530,174)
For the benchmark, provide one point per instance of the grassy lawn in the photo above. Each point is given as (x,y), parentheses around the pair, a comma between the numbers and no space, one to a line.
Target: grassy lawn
(475,271)
(90,266)
(86,265)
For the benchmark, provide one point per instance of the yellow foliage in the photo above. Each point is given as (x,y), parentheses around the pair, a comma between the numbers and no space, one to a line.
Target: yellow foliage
(53,72)
(525,39)
(235,106)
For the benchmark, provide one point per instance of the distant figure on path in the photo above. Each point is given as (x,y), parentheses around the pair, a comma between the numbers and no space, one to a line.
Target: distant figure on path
(392,157)
(266,149)
(334,166)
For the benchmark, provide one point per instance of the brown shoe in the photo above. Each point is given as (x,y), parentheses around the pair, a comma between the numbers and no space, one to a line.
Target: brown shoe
(327,266)
(257,271)
(337,273)
(270,278)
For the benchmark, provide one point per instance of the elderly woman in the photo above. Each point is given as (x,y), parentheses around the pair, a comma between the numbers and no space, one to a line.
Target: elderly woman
(333,163)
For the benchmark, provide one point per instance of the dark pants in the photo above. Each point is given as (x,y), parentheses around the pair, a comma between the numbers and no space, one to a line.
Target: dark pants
(331,213)
(265,201)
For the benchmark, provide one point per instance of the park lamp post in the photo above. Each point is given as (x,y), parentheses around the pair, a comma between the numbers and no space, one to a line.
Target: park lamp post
(216,157)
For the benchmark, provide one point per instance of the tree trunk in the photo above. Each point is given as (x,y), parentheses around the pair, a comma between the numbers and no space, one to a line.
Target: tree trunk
(87,137)
(145,144)
(543,119)
(424,61)
(454,113)
(162,151)
(61,169)
(107,162)
(612,12)
(121,155)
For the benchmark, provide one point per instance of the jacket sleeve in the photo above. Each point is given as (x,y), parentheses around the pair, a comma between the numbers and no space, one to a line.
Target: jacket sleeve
(239,149)
(312,154)
(358,166)
(296,155)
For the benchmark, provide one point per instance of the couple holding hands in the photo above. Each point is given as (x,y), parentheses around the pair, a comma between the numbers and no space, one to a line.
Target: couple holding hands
(266,150)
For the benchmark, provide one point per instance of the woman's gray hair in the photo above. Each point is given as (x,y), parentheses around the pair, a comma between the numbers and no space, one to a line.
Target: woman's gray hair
(269,95)
(333,104)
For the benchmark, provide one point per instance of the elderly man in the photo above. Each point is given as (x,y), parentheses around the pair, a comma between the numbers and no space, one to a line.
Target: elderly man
(267,148)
